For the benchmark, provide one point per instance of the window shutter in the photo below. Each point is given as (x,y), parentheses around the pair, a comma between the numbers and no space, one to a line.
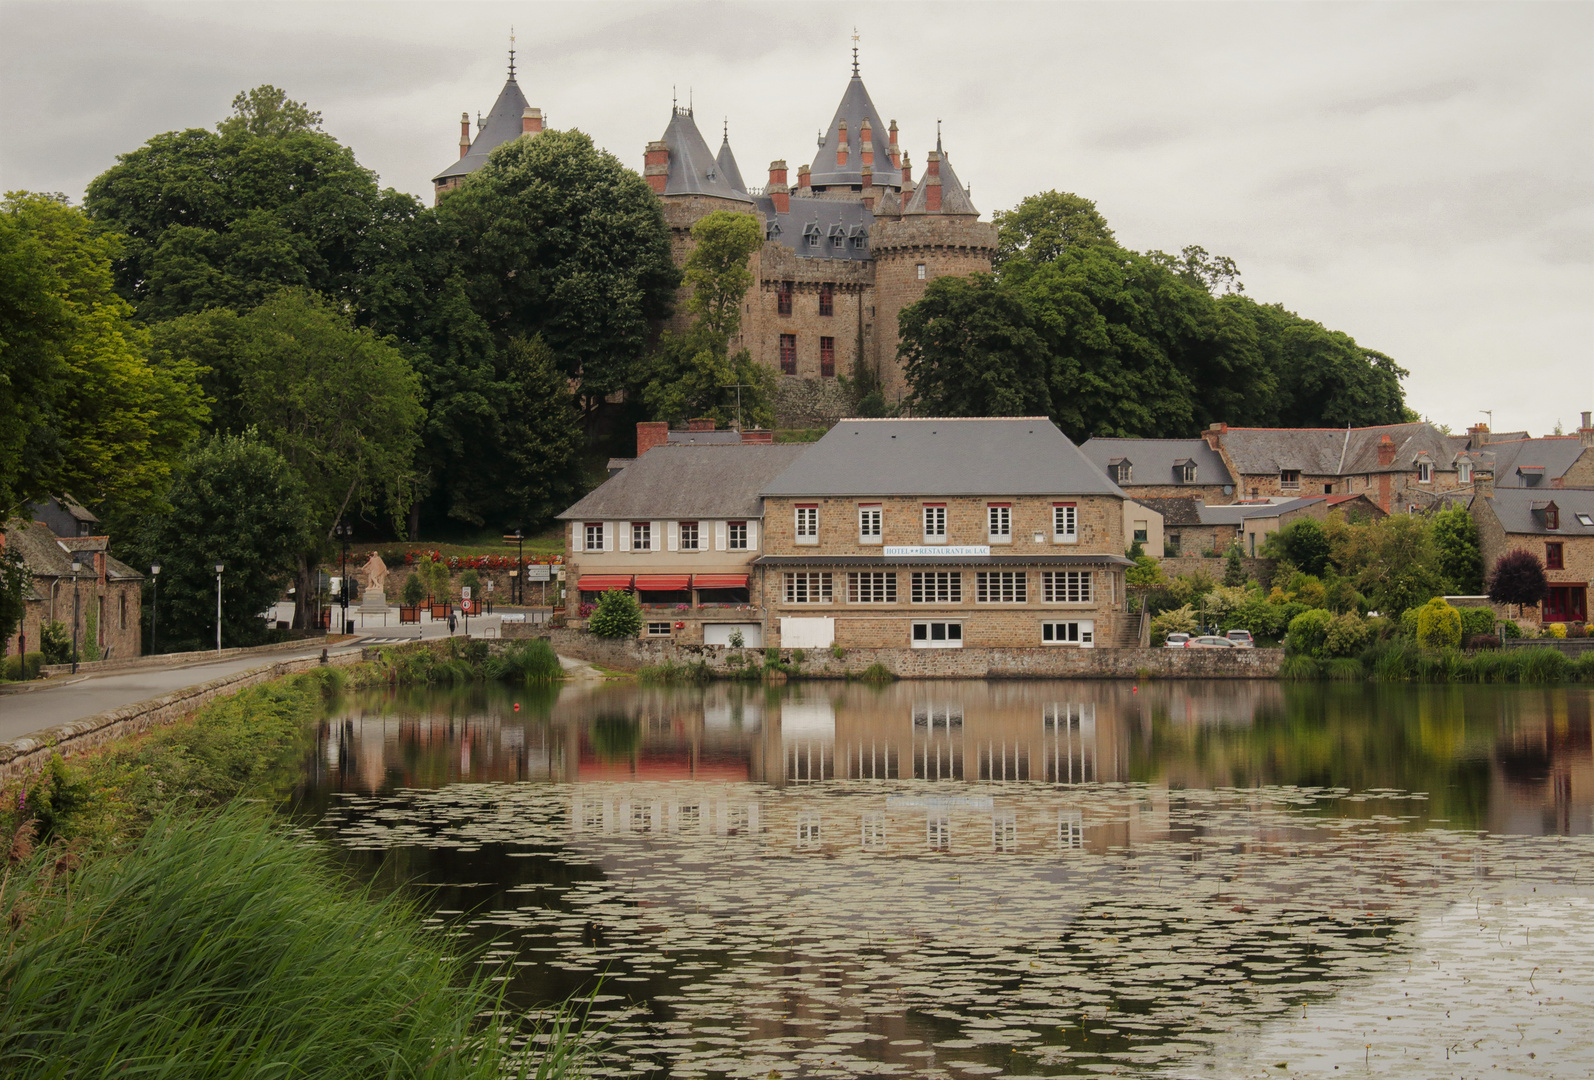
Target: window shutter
(673,542)
(608,536)
(719,536)
(625,534)
(752,536)
(656,536)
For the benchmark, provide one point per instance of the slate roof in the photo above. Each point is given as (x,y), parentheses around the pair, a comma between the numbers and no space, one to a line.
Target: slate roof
(503,124)
(1335,451)
(954,196)
(1516,510)
(726,160)
(1154,459)
(1176,510)
(855,106)
(983,457)
(694,170)
(717,437)
(1236,513)
(682,480)
(50,556)
(1552,456)
(817,218)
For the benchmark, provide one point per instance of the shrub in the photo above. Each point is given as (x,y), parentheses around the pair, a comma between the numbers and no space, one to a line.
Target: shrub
(526,662)
(1345,636)
(1345,669)
(1307,633)
(1476,620)
(1180,620)
(1342,596)
(1393,661)
(616,616)
(1510,629)
(1308,590)
(876,672)
(1233,568)
(18,668)
(472,581)
(837,651)
(736,640)
(414,590)
(1544,665)
(1408,623)
(1555,630)
(55,642)
(1438,625)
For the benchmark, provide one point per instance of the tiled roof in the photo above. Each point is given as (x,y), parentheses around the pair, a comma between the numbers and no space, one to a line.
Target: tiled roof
(1236,513)
(726,160)
(50,556)
(954,196)
(1515,462)
(1176,510)
(1335,451)
(679,480)
(694,170)
(1521,511)
(503,124)
(855,106)
(1154,459)
(981,456)
(819,218)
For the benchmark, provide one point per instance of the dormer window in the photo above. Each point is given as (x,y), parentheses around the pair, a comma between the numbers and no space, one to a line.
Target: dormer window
(1424,472)
(1120,470)
(1552,517)
(1185,471)
(1290,478)
(1464,472)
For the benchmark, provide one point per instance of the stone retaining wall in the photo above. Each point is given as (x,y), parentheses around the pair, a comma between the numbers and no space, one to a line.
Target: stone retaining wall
(30,753)
(1256,569)
(968,663)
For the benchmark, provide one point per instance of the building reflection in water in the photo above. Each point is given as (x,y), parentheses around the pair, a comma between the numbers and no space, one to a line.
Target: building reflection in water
(1509,759)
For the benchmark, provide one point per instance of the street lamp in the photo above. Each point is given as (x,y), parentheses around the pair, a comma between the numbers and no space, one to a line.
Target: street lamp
(520,564)
(219,568)
(76,567)
(154,605)
(344,533)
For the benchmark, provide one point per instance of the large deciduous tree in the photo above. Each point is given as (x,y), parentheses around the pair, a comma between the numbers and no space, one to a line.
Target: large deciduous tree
(1518,577)
(1402,568)
(236,501)
(971,347)
(1455,537)
(86,405)
(557,238)
(540,445)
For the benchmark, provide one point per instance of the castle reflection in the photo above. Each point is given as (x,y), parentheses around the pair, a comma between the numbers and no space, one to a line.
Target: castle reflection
(1506,759)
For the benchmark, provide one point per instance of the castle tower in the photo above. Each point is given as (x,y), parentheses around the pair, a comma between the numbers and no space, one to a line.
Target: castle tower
(510,118)
(856,137)
(937,232)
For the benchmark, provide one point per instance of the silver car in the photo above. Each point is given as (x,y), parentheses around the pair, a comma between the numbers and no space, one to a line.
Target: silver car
(1209,642)
(1241,638)
(1176,641)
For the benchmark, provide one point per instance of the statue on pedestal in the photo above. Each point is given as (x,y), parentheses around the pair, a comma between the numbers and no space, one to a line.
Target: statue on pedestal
(375,573)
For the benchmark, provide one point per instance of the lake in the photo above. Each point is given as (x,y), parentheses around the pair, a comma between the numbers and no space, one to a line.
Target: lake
(1010,879)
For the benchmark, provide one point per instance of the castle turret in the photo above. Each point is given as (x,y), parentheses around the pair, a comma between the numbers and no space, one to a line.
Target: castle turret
(837,168)
(507,120)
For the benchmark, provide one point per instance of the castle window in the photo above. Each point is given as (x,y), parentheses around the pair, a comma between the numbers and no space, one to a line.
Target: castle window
(788,351)
(827,356)
(827,299)
(921,271)
(783,297)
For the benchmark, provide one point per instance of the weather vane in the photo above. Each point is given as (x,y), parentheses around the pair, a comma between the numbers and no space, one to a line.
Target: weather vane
(511,51)
(855,50)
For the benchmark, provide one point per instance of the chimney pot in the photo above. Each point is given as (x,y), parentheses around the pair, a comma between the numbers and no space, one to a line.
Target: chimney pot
(651,433)
(464,134)
(530,121)
(701,423)
(1585,433)
(804,179)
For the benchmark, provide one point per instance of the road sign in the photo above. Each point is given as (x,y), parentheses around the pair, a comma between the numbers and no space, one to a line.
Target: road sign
(538,572)
(464,592)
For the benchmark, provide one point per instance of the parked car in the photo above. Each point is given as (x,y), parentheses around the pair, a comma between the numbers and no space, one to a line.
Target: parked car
(1209,642)
(1241,638)
(1176,641)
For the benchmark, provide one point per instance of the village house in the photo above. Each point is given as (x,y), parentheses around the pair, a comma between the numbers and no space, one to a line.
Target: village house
(938,533)
(1555,526)
(1516,461)
(104,592)
(679,527)
(1163,468)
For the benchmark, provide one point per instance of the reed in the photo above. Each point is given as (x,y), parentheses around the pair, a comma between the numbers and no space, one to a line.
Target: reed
(525,662)
(1300,668)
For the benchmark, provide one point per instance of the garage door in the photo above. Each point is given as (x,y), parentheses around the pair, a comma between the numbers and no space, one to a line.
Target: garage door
(807,633)
(720,634)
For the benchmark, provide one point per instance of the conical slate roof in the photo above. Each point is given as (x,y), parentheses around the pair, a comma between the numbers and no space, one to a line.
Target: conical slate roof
(693,168)
(855,106)
(503,124)
(727,164)
(954,196)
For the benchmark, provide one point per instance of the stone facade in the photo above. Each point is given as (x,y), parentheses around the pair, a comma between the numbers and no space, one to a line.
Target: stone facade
(108,594)
(1574,542)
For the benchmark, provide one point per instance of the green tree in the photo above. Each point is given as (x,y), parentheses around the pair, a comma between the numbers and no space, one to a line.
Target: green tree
(557,238)
(1043,226)
(1438,625)
(15,585)
(716,270)
(970,348)
(690,377)
(1303,543)
(236,501)
(1402,568)
(414,590)
(1455,537)
(539,456)
(266,111)
(1308,632)
(85,405)
(1233,567)
(616,616)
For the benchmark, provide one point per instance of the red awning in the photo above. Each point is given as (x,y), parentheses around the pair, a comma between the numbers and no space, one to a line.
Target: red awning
(719,581)
(603,582)
(663,582)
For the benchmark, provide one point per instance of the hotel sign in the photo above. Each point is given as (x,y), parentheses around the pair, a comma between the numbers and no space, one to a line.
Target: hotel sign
(945,551)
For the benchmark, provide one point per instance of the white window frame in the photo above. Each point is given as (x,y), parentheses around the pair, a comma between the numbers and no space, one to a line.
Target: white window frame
(1068,586)
(1424,472)
(872,587)
(872,831)
(1070,830)
(871,522)
(1078,633)
(1287,484)
(921,271)
(592,530)
(733,541)
(643,531)
(1065,523)
(936,587)
(695,536)
(938,831)
(1188,473)
(806,524)
(810,829)
(1007,586)
(1004,831)
(929,641)
(808,587)
(1464,472)
(999,523)
(1139,527)
(660,629)
(933,516)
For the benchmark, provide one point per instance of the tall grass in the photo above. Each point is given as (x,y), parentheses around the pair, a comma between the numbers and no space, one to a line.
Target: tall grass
(525,662)
(669,671)
(215,948)
(1300,668)
(1401,660)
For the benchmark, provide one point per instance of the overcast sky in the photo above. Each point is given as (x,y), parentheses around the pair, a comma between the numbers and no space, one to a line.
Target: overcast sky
(1419,176)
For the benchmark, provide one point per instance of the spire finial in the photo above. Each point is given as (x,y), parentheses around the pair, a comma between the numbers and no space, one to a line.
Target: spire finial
(511,53)
(727,136)
(689,102)
(938,136)
(855,52)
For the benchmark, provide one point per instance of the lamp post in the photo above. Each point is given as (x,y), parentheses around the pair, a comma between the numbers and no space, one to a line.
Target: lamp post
(154,605)
(219,568)
(343,533)
(76,567)
(520,564)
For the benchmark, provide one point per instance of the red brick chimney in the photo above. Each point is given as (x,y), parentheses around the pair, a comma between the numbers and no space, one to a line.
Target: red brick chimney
(1478,436)
(1214,435)
(804,181)
(777,190)
(531,121)
(841,144)
(907,172)
(1386,451)
(656,165)
(866,144)
(651,433)
(464,134)
(1586,433)
(891,138)
(932,177)
(758,435)
(701,423)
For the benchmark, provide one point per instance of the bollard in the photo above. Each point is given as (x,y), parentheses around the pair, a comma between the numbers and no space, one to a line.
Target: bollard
(323,656)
